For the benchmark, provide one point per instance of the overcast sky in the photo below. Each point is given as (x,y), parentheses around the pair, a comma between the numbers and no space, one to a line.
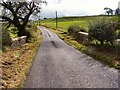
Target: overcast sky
(77,7)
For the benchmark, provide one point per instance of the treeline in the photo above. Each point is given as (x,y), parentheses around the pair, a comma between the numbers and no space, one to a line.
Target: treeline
(110,11)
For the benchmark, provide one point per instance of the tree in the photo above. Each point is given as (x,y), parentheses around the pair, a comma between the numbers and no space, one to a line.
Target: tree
(111,11)
(18,13)
(117,11)
(108,11)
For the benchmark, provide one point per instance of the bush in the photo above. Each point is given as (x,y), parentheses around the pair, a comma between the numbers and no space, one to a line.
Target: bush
(74,29)
(32,31)
(6,40)
(103,30)
(12,32)
(118,34)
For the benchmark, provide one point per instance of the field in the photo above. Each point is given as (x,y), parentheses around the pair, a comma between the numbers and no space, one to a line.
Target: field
(65,22)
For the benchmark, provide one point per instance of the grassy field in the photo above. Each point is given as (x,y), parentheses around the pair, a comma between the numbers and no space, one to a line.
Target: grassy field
(65,22)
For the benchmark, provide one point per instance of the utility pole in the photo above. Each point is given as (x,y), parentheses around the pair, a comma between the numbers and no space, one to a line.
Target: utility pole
(119,11)
(39,20)
(118,28)
(56,20)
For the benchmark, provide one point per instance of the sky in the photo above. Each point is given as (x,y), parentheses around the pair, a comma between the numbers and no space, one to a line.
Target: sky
(76,7)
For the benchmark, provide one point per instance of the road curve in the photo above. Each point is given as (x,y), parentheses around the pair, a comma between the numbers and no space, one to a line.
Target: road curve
(58,65)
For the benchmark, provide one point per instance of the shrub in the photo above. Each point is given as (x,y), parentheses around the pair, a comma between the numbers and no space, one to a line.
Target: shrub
(103,30)
(74,29)
(118,34)
(32,31)
(6,40)
(13,32)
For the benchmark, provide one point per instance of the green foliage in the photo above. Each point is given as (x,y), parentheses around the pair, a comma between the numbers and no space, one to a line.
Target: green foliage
(13,32)
(65,22)
(103,30)
(32,30)
(96,55)
(6,39)
(20,13)
(118,34)
(7,35)
(74,29)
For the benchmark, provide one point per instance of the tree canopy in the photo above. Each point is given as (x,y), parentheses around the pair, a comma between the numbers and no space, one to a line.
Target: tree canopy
(108,11)
(18,13)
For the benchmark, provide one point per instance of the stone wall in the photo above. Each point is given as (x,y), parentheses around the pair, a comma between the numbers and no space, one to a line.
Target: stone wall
(18,41)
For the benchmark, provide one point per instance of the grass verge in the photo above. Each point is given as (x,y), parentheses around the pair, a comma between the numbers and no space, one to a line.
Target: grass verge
(17,62)
(85,49)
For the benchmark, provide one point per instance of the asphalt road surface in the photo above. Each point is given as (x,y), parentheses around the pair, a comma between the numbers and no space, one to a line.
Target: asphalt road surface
(58,65)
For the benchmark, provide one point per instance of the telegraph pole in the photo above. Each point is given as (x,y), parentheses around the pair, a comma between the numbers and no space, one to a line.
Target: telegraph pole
(39,21)
(119,12)
(56,20)
(118,28)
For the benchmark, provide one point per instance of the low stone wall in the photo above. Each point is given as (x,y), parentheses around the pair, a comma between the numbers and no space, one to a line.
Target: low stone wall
(83,36)
(118,41)
(18,41)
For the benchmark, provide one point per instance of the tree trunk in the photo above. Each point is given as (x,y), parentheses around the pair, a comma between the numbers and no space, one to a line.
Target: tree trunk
(22,32)
(101,42)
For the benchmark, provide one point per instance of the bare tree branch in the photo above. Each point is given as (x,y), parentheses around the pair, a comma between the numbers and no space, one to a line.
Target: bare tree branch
(6,18)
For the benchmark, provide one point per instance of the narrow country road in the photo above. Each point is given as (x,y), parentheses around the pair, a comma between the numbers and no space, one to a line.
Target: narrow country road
(58,65)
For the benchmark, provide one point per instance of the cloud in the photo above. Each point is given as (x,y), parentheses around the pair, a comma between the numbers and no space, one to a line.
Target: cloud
(77,7)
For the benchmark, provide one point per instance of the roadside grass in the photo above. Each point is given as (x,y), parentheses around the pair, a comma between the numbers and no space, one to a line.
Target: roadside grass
(16,62)
(105,54)
(106,58)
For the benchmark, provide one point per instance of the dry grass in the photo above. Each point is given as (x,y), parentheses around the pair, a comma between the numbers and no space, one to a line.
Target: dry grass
(16,63)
